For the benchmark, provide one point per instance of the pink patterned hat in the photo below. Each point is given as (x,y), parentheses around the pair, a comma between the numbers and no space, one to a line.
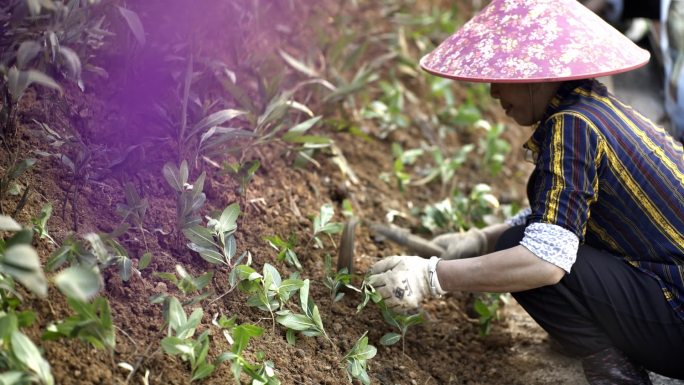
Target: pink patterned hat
(527,41)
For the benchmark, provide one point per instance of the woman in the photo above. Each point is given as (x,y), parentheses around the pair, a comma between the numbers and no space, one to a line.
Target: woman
(598,258)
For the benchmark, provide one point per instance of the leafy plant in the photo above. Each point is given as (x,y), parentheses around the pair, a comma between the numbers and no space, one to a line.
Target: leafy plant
(216,242)
(186,284)
(92,323)
(322,225)
(19,260)
(487,307)
(308,323)
(460,211)
(95,252)
(20,359)
(399,321)
(268,291)
(443,167)
(494,148)
(337,281)
(369,294)
(40,223)
(357,359)
(134,209)
(8,183)
(238,337)
(189,197)
(285,249)
(401,160)
(180,341)
(244,172)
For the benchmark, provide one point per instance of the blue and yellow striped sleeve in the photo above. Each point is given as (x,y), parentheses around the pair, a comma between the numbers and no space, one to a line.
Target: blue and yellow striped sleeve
(566,180)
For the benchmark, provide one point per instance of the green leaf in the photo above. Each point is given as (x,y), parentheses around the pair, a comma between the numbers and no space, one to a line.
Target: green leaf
(27,353)
(18,81)
(297,322)
(176,315)
(302,127)
(134,24)
(125,268)
(22,262)
(291,337)
(203,370)
(298,65)
(21,167)
(390,339)
(27,51)
(176,346)
(78,283)
(209,255)
(72,61)
(215,119)
(173,177)
(145,260)
(228,220)
(201,236)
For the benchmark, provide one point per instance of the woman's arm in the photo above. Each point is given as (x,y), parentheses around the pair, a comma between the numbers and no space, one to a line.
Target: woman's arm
(510,270)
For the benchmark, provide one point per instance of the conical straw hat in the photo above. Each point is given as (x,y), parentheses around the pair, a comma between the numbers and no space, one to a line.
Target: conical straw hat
(528,41)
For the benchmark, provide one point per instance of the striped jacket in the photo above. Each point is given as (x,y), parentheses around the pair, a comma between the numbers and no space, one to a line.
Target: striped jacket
(613,178)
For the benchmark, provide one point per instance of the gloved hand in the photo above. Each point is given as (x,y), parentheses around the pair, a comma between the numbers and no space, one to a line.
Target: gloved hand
(467,244)
(404,281)
(471,243)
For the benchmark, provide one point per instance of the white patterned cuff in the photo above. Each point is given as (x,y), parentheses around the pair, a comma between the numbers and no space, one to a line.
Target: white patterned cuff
(520,218)
(552,243)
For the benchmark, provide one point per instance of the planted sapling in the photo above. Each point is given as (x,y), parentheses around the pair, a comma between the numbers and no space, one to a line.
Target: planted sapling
(92,323)
(309,323)
(285,249)
(357,359)
(336,281)
(190,197)
(216,242)
(180,341)
(134,210)
(322,225)
(487,307)
(186,284)
(19,260)
(401,322)
(20,359)
(40,223)
(8,184)
(238,337)
(244,172)
(268,291)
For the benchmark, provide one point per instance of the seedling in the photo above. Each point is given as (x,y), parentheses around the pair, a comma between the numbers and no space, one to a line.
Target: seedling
(487,307)
(399,321)
(401,160)
(8,184)
(180,342)
(92,323)
(238,337)
(19,260)
(244,172)
(309,323)
(95,251)
(460,211)
(78,170)
(186,284)
(189,197)
(267,291)
(133,210)
(336,281)
(40,223)
(357,359)
(322,225)
(493,148)
(20,359)
(285,249)
(216,242)
(369,294)
(444,168)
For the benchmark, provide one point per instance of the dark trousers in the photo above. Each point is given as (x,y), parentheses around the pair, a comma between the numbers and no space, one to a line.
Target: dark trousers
(606,302)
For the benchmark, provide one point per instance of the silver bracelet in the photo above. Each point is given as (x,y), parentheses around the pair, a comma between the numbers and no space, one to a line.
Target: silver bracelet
(433,281)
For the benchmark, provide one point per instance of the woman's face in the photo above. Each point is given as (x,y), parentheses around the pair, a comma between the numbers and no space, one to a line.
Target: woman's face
(524,102)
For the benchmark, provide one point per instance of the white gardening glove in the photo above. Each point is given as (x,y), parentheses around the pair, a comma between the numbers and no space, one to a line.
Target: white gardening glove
(471,243)
(404,281)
